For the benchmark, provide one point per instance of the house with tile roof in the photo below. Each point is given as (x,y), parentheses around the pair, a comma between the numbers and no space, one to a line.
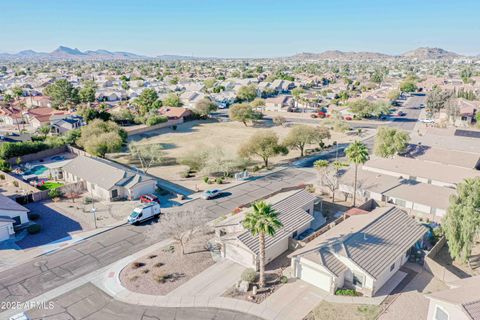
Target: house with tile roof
(108,180)
(460,302)
(363,252)
(295,210)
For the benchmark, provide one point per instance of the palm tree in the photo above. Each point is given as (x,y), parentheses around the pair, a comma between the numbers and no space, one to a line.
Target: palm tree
(263,220)
(357,153)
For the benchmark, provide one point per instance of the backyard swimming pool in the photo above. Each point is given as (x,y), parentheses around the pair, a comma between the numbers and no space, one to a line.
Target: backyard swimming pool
(36,170)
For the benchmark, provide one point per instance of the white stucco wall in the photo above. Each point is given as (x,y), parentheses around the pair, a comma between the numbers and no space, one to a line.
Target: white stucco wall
(454,312)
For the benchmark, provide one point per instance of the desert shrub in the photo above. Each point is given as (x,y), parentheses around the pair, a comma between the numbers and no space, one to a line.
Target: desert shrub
(54,193)
(137,264)
(34,228)
(249,275)
(283,279)
(255,168)
(185,174)
(159,264)
(152,256)
(5,166)
(145,271)
(2,176)
(219,180)
(153,120)
(346,292)
(134,278)
(33,216)
(161,278)
(206,179)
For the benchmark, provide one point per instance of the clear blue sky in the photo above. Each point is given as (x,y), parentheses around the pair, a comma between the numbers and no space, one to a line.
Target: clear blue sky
(240,28)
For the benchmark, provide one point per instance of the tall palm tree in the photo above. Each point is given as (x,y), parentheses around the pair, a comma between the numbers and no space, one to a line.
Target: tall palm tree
(357,153)
(262,221)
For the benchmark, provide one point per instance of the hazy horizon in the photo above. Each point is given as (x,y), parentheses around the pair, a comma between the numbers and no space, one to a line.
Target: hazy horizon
(247,29)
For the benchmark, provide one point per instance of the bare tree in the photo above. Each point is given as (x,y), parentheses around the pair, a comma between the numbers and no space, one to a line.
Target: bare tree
(73,190)
(329,174)
(183,224)
(147,154)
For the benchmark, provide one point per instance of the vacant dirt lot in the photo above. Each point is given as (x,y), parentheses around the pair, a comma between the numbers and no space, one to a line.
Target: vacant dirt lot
(202,135)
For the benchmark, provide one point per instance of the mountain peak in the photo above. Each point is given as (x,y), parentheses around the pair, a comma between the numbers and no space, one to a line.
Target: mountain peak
(427,53)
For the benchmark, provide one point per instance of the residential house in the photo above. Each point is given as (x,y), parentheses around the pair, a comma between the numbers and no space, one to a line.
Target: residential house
(460,302)
(12,215)
(38,117)
(282,103)
(190,98)
(38,101)
(175,113)
(107,180)
(295,211)
(363,252)
(70,122)
(11,115)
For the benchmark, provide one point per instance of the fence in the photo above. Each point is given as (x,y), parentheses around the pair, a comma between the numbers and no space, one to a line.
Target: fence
(435,268)
(321,231)
(144,129)
(38,155)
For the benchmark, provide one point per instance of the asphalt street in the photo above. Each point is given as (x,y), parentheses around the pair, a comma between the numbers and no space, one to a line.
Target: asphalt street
(89,302)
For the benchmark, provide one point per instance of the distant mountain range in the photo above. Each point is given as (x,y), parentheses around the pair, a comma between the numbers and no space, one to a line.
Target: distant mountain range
(419,53)
(65,53)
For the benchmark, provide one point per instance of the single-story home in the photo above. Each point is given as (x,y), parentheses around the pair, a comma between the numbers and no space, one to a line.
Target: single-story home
(12,215)
(175,113)
(67,123)
(428,200)
(279,103)
(460,302)
(107,180)
(11,115)
(363,252)
(295,211)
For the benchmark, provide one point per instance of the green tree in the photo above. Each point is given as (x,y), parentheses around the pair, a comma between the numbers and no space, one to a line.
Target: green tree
(390,141)
(262,221)
(361,107)
(101,137)
(147,101)
(302,135)
(437,100)
(17,92)
(44,130)
(204,107)
(264,144)
(87,93)
(258,102)
(247,93)
(408,86)
(63,94)
(172,100)
(462,221)
(243,112)
(357,153)
(7,98)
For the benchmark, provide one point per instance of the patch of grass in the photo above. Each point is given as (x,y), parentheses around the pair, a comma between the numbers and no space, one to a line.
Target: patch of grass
(50,185)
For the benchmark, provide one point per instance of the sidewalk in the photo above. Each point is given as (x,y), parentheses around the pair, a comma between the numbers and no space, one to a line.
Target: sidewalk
(205,290)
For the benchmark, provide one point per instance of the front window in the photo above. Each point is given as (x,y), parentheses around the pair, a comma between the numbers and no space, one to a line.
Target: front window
(357,280)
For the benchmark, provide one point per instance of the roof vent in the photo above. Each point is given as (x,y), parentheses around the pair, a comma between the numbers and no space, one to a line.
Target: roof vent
(365,236)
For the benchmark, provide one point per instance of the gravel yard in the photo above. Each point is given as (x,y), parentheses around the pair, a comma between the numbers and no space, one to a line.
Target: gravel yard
(160,272)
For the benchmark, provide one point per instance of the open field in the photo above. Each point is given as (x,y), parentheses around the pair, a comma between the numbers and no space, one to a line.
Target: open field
(203,135)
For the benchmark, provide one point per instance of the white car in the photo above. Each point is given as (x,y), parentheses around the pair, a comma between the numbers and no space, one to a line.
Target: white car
(427,120)
(210,194)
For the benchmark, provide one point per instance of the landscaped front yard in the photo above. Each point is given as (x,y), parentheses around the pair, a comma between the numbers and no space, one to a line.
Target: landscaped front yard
(161,272)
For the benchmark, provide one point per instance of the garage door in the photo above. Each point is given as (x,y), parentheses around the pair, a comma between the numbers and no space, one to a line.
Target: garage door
(317,278)
(4,235)
(239,255)
(142,189)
